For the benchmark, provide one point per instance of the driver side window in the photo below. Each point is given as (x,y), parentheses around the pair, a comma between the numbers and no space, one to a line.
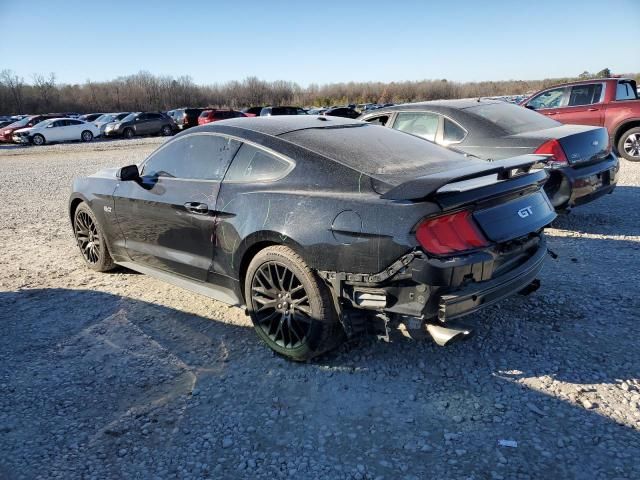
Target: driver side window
(549,99)
(194,157)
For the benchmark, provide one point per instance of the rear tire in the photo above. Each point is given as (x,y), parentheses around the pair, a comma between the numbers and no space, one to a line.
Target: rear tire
(91,240)
(290,307)
(38,139)
(86,136)
(128,133)
(629,145)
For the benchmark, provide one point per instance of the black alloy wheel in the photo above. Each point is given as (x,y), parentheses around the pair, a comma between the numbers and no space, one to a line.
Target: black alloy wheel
(91,240)
(290,306)
(281,305)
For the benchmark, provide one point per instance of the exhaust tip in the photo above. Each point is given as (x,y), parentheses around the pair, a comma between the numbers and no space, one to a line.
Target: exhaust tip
(446,335)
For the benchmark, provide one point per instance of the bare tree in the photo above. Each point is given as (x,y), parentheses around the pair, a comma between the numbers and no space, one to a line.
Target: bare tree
(46,88)
(15,84)
(144,91)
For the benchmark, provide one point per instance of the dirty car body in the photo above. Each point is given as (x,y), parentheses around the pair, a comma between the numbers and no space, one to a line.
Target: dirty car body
(393,227)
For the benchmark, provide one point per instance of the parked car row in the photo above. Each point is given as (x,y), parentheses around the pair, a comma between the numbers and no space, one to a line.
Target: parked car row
(55,127)
(422,214)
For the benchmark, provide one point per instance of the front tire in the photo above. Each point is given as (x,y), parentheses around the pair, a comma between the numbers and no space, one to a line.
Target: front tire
(290,307)
(38,139)
(166,131)
(128,133)
(91,239)
(86,136)
(629,144)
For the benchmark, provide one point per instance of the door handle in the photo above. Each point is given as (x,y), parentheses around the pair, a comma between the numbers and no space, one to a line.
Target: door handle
(592,109)
(195,207)
(550,113)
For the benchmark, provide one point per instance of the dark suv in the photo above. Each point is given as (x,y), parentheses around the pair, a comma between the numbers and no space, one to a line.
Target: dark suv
(268,111)
(186,117)
(142,123)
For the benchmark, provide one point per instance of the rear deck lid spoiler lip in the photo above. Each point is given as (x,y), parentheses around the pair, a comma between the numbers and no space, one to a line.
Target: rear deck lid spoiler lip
(427,185)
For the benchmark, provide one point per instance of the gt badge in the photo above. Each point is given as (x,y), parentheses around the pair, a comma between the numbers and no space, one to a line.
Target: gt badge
(525,212)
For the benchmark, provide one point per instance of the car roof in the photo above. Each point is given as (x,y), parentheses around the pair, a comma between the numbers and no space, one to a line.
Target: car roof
(457,104)
(583,82)
(383,153)
(281,124)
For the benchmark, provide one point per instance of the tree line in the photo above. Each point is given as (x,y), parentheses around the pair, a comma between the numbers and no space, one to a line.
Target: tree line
(145,91)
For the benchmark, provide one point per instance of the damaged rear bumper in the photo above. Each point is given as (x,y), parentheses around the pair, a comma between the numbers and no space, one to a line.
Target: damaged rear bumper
(432,289)
(478,295)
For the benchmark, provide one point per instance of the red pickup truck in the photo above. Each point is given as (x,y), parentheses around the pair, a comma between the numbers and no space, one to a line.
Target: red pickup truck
(612,103)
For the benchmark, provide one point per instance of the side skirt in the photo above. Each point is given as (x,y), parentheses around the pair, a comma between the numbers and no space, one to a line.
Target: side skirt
(222,294)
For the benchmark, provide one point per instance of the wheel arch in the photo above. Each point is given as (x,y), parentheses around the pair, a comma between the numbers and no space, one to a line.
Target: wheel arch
(256,242)
(74,201)
(622,128)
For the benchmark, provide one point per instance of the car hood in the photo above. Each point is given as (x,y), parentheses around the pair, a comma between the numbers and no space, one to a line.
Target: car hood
(23,130)
(105,173)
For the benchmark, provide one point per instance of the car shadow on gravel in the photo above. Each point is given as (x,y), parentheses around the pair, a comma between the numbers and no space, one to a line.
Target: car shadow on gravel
(615,214)
(122,385)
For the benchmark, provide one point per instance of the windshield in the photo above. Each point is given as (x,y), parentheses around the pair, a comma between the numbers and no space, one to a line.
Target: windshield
(106,118)
(44,123)
(129,117)
(21,123)
(512,118)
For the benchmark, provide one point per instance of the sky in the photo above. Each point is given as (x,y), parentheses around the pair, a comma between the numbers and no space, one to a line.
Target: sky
(319,41)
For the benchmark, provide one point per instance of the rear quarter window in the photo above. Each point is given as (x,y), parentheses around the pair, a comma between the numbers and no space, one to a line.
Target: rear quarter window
(252,164)
(625,91)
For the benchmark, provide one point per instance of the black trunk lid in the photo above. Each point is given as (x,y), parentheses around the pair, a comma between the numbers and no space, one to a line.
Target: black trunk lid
(581,144)
(507,201)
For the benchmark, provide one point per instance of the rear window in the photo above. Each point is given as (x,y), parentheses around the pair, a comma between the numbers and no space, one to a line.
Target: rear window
(512,118)
(205,113)
(383,153)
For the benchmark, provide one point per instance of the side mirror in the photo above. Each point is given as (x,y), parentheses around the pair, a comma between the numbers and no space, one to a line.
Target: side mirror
(50,125)
(530,107)
(129,173)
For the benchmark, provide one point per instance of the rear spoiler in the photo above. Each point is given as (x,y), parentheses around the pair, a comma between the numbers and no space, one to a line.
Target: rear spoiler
(427,185)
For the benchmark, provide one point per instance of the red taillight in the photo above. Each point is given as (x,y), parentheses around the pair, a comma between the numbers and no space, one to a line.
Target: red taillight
(554,151)
(450,233)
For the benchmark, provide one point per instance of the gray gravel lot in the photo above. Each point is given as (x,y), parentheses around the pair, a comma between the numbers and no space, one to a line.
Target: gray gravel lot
(121,376)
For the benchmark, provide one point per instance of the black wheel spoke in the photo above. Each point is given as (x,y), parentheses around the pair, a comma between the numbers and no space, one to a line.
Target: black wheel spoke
(280,305)
(88,237)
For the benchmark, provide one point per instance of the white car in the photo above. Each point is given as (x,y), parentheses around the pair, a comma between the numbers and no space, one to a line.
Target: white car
(57,130)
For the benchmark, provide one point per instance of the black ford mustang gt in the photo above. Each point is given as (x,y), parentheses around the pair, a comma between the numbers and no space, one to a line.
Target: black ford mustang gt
(578,158)
(321,226)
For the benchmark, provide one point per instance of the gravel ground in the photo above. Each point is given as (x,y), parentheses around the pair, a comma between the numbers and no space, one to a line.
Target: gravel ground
(121,376)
